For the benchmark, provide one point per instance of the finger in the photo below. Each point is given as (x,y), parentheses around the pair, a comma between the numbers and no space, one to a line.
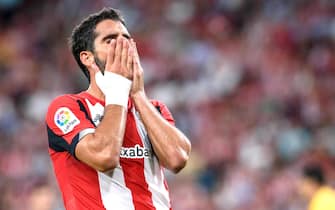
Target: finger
(110,55)
(118,50)
(130,60)
(124,55)
(135,48)
(136,69)
(135,79)
(136,58)
(136,63)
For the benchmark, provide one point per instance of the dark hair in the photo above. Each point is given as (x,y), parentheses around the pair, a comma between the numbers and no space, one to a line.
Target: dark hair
(315,173)
(83,35)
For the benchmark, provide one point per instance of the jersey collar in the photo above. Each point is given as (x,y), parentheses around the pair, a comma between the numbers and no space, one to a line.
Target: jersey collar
(94,99)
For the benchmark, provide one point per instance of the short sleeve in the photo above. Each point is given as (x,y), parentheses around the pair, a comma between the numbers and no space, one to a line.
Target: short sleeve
(164,111)
(66,121)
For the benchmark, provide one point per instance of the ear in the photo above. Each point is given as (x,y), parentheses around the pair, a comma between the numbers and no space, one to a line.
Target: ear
(87,58)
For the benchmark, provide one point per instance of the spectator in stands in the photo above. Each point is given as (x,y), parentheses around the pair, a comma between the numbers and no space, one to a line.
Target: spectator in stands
(314,187)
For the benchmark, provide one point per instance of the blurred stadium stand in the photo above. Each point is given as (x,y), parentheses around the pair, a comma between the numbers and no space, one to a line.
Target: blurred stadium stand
(251,82)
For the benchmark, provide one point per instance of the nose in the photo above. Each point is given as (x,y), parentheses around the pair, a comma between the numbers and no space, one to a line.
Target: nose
(119,36)
(123,36)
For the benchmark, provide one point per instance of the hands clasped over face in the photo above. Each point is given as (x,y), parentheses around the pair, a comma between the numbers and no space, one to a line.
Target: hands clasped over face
(122,63)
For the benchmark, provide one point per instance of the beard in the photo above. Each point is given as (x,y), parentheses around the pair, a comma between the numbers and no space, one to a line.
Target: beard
(101,64)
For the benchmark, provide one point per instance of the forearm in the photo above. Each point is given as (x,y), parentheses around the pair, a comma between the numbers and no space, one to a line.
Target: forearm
(110,132)
(170,145)
(101,149)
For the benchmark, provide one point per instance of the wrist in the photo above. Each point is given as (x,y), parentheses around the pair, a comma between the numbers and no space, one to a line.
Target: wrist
(118,92)
(139,95)
(139,98)
(115,87)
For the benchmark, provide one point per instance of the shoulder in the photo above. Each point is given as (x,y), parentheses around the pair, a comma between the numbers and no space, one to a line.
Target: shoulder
(163,110)
(160,106)
(157,103)
(64,99)
(63,102)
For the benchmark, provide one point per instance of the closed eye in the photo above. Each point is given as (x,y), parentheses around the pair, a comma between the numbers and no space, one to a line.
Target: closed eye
(126,36)
(107,39)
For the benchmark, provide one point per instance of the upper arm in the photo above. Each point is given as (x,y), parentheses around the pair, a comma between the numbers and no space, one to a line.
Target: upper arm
(67,123)
(85,152)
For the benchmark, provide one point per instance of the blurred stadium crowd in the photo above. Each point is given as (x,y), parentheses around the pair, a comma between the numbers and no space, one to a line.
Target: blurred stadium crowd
(251,82)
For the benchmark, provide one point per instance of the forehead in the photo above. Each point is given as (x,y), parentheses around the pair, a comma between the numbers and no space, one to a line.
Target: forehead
(109,26)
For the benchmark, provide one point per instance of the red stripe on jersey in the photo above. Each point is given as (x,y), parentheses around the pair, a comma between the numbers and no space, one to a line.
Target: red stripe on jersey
(133,169)
(78,182)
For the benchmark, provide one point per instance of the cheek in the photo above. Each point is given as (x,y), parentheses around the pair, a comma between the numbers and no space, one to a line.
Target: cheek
(100,52)
(101,55)
(100,59)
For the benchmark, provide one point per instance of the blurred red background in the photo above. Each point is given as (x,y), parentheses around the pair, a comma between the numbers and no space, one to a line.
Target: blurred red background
(251,82)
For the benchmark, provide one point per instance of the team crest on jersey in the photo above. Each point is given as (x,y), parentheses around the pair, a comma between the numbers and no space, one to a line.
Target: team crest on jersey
(65,120)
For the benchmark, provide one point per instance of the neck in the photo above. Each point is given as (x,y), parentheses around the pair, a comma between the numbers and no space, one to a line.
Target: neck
(94,90)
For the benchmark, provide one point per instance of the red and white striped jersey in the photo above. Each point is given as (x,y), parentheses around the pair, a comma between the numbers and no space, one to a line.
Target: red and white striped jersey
(137,183)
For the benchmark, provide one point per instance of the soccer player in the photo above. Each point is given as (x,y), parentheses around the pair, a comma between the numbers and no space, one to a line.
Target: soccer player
(109,144)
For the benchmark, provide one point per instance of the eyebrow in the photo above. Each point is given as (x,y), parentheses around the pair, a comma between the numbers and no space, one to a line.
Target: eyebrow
(114,36)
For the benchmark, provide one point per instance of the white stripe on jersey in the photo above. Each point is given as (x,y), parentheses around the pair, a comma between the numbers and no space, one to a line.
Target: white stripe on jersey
(113,190)
(114,193)
(85,132)
(152,171)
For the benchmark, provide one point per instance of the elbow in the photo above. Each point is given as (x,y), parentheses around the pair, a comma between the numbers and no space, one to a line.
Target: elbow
(108,163)
(178,162)
(177,165)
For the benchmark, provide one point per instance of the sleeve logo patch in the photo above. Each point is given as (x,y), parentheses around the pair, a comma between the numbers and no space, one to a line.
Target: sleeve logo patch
(65,120)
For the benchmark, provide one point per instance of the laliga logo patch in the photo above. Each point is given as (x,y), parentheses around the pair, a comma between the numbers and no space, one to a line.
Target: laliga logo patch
(65,120)
(63,117)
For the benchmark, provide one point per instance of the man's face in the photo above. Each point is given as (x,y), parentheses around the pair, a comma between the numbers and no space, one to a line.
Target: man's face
(107,30)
